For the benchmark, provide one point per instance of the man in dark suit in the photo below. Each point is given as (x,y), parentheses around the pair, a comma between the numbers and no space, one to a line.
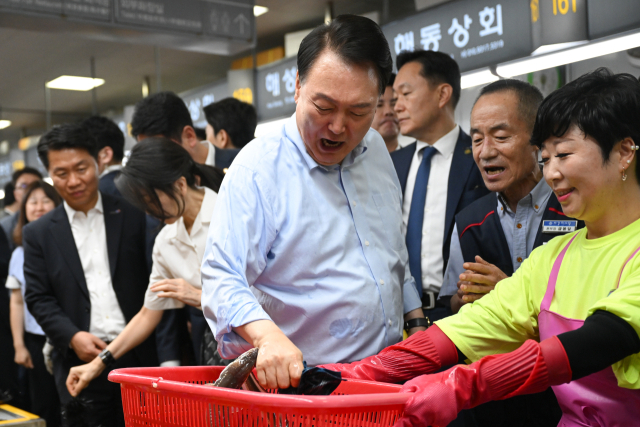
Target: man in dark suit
(165,114)
(85,271)
(437,172)
(231,123)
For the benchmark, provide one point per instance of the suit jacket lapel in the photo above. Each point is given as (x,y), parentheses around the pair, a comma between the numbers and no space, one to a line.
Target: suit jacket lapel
(63,236)
(402,162)
(461,165)
(113,218)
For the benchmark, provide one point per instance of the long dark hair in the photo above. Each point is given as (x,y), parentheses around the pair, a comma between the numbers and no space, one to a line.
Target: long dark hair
(156,164)
(49,191)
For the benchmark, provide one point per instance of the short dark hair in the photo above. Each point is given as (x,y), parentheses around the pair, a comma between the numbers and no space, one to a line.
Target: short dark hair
(355,39)
(107,134)
(392,80)
(201,134)
(66,136)
(603,105)
(163,113)
(156,163)
(529,97)
(437,68)
(9,198)
(237,118)
(25,170)
(22,217)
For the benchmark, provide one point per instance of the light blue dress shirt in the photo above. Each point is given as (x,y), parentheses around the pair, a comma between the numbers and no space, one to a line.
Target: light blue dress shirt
(15,280)
(317,250)
(528,215)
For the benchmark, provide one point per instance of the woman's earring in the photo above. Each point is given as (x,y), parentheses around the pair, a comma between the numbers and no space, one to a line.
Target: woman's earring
(624,175)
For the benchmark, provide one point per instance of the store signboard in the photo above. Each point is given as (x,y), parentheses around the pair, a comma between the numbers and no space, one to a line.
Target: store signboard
(90,9)
(476,33)
(276,88)
(612,16)
(198,98)
(558,21)
(228,18)
(163,14)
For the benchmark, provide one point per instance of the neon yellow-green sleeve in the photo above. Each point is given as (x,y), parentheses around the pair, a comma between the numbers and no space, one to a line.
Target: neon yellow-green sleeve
(502,320)
(625,303)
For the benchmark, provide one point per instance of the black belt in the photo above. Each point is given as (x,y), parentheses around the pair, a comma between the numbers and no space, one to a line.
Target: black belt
(430,300)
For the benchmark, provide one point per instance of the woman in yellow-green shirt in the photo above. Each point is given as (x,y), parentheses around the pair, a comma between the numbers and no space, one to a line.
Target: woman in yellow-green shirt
(570,316)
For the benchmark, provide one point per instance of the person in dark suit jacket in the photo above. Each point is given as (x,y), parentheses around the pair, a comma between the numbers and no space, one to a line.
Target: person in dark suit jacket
(110,140)
(165,114)
(85,270)
(231,123)
(437,173)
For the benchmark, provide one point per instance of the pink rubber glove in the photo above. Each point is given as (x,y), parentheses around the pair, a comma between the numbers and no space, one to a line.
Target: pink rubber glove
(438,398)
(424,352)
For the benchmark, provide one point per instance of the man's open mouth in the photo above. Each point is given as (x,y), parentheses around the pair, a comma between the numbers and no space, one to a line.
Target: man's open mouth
(493,170)
(331,144)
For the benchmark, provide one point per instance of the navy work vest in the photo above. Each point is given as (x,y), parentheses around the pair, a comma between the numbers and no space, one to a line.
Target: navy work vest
(481,233)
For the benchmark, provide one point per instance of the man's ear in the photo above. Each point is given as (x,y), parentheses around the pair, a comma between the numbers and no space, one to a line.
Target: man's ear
(298,85)
(189,137)
(445,92)
(105,156)
(224,140)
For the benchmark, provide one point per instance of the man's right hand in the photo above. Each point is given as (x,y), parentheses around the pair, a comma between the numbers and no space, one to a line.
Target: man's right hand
(279,362)
(87,346)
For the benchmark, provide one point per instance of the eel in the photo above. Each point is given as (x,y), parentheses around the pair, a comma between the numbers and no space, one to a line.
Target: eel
(235,375)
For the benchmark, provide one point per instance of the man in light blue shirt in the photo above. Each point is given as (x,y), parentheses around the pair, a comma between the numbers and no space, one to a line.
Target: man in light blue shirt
(305,257)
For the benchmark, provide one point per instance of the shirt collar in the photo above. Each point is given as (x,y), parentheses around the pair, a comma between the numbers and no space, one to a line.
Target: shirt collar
(445,145)
(293,134)
(71,213)
(109,169)
(536,199)
(203,217)
(211,154)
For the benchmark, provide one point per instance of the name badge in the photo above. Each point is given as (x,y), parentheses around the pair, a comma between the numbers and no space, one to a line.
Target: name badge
(559,227)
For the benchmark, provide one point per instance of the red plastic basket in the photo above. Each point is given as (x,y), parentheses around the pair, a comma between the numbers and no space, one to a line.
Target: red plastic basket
(176,397)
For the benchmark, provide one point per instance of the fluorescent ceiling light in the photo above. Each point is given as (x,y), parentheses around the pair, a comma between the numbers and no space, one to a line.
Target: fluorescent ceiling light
(74,83)
(476,78)
(5,124)
(568,56)
(548,48)
(259,10)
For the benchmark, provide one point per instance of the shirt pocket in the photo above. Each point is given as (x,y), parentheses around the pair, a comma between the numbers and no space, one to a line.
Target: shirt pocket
(388,206)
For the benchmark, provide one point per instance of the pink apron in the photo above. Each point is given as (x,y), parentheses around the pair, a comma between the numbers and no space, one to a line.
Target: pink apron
(595,400)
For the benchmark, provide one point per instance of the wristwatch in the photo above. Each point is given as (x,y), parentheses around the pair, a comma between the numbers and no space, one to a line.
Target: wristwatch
(418,322)
(107,358)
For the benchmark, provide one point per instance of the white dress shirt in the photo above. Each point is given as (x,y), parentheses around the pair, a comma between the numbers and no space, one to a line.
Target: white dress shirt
(211,155)
(109,169)
(435,206)
(178,254)
(89,233)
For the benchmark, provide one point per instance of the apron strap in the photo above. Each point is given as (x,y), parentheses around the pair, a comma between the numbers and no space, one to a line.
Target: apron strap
(625,264)
(553,278)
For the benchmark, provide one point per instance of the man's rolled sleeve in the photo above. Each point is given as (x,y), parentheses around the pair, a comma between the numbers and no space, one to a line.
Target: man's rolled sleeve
(411,298)
(239,239)
(454,266)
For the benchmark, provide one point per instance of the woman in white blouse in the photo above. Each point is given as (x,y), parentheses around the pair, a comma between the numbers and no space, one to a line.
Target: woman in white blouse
(162,179)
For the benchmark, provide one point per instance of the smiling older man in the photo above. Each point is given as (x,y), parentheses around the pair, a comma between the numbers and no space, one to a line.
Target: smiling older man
(307,256)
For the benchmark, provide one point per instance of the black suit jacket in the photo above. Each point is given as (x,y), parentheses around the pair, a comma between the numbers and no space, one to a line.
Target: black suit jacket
(224,158)
(465,182)
(108,186)
(56,290)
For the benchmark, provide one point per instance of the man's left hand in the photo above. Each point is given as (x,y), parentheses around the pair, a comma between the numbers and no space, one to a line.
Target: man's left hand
(481,278)
(178,289)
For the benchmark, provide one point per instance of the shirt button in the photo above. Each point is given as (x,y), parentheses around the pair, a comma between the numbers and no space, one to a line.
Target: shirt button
(106,317)
(354,204)
(381,282)
(426,210)
(519,259)
(366,243)
(519,225)
(536,207)
(390,322)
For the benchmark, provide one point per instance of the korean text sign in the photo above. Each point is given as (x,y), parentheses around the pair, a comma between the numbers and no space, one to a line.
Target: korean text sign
(476,33)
